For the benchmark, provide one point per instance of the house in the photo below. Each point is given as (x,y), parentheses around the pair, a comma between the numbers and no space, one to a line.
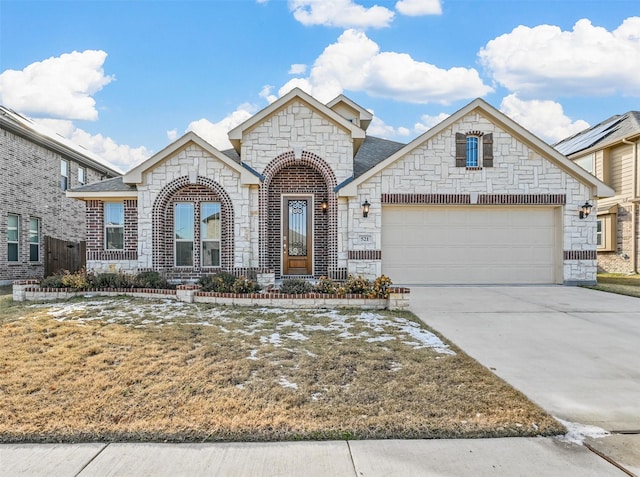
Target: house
(609,150)
(305,192)
(37,167)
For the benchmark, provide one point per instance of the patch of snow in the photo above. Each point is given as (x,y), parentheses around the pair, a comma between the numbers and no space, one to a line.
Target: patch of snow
(252,355)
(296,336)
(273,339)
(577,433)
(285,383)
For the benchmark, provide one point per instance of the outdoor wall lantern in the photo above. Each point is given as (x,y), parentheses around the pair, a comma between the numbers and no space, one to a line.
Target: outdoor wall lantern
(585,210)
(324,205)
(365,208)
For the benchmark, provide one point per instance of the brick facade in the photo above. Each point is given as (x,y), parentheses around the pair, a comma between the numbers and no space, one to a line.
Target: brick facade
(299,149)
(30,188)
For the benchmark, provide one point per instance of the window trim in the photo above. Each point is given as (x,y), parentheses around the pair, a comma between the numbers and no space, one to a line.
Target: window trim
(107,226)
(37,235)
(13,242)
(64,174)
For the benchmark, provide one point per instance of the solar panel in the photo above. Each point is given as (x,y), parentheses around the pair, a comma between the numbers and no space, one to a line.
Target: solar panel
(589,138)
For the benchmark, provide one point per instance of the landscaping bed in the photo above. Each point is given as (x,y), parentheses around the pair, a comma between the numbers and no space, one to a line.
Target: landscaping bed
(125,369)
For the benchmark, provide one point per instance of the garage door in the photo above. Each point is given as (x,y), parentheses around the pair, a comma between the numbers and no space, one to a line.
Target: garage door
(470,245)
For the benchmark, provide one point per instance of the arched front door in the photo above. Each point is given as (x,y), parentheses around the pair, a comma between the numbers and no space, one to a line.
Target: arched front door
(297,234)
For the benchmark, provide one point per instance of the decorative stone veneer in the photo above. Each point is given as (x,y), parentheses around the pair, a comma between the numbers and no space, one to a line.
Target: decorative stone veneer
(192,174)
(297,127)
(519,176)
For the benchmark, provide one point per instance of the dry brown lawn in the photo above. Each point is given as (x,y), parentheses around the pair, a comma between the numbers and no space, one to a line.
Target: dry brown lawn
(130,370)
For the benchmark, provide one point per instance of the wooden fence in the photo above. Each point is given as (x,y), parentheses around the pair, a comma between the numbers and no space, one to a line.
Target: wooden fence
(63,255)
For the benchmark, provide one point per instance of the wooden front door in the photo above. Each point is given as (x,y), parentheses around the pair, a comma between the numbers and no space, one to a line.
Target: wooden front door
(297,244)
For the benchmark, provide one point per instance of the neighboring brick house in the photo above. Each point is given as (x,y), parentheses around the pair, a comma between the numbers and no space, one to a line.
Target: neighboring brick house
(306,192)
(36,168)
(609,150)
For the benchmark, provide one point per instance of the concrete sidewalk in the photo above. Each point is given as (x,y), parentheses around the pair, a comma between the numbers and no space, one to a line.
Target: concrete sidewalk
(526,457)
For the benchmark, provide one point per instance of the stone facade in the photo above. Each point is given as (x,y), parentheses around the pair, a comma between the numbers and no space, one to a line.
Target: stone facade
(31,188)
(298,147)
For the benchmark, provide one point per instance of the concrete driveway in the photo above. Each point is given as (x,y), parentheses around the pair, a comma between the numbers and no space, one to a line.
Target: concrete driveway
(573,351)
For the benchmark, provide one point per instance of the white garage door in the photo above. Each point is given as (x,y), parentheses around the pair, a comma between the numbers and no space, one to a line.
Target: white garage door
(470,245)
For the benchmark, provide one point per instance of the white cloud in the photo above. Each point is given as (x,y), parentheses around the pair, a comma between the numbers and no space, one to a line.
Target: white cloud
(266,93)
(298,69)
(414,8)
(379,128)
(355,63)
(216,133)
(546,119)
(545,61)
(57,87)
(427,122)
(172,134)
(118,156)
(340,13)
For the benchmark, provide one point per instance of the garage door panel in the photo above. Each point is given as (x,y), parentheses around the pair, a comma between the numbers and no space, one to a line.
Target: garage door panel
(469,245)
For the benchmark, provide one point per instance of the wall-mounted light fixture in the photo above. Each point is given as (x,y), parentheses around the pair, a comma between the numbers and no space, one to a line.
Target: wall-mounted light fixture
(365,208)
(585,210)
(324,205)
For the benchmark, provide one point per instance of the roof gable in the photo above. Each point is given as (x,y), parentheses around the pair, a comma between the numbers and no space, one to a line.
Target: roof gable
(342,103)
(500,119)
(296,94)
(134,176)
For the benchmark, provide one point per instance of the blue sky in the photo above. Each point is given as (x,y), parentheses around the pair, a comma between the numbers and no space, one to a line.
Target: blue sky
(125,78)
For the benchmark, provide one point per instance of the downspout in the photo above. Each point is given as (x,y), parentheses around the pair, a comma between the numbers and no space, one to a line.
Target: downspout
(634,202)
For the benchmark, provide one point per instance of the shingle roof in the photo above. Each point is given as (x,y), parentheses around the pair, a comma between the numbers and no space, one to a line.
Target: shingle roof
(40,134)
(109,185)
(373,151)
(614,128)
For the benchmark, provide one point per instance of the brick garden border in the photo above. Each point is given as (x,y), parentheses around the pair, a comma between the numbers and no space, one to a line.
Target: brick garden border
(29,290)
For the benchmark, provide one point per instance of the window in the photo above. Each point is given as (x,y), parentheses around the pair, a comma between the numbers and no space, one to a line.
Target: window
(474,150)
(586,163)
(606,231)
(473,154)
(82,173)
(183,234)
(64,175)
(114,225)
(13,237)
(210,233)
(34,239)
